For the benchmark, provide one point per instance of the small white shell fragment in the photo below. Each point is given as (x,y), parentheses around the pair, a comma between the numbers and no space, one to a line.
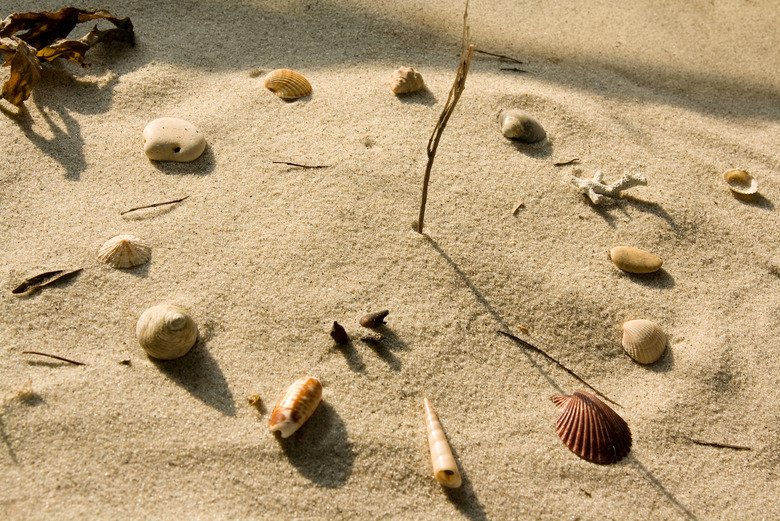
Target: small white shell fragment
(296,406)
(740,182)
(173,139)
(125,251)
(634,260)
(166,331)
(516,124)
(643,340)
(406,80)
(445,468)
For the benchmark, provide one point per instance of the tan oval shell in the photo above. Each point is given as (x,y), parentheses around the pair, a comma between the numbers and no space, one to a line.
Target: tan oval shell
(445,468)
(516,124)
(173,139)
(406,80)
(287,84)
(590,429)
(296,406)
(634,260)
(166,331)
(643,340)
(740,182)
(125,251)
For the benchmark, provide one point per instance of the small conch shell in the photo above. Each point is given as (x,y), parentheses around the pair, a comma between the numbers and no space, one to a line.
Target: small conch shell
(125,251)
(375,319)
(740,182)
(166,331)
(406,80)
(643,340)
(296,406)
(591,429)
(516,124)
(287,84)
(445,468)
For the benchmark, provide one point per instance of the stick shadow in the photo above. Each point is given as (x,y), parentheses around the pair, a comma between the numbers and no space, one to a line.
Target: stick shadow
(200,375)
(633,461)
(320,449)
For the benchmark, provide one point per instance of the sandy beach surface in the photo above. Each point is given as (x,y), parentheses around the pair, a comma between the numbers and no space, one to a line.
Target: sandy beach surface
(266,256)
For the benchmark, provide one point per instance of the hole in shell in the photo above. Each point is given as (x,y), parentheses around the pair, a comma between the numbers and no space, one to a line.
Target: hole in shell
(176,150)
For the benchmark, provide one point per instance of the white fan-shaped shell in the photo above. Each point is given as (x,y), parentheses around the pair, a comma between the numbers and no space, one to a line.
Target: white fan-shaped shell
(287,84)
(296,406)
(643,340)
(125,251)
(740,182)
(516,124)
(445,468)
(166,331)
(406,80)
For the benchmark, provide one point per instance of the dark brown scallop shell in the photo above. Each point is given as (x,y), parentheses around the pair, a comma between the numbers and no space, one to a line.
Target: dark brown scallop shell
(591,429)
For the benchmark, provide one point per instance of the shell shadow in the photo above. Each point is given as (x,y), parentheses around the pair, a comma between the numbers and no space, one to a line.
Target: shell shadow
(204,165)
(384,352)
(757,200)
(541,150)
(353,358)
(663,364)
(464,498)
(420,97)
(320,449)
(660,279)
(200,375)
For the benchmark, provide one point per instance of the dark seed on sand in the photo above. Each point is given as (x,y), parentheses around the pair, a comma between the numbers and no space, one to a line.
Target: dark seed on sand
(374,319)
(339,334)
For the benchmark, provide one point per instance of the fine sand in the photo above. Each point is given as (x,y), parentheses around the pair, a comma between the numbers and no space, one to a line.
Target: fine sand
(267,256)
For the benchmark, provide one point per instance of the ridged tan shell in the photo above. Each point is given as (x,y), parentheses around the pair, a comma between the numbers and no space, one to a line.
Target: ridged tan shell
(516,124)
(166,331)
(125,251)
(634,260)
(740,182)
(591,429)
(643,340)
(406,80)
(445,468)
(287,84)
(296,406)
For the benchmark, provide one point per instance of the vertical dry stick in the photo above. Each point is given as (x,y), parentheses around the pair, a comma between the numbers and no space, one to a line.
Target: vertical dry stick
(467,51)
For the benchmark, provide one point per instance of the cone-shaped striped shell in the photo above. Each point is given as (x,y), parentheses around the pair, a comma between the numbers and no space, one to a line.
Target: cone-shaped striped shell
(445,469)
(124,251)
(287,84)
(296,406)
(643,340)
(591,429)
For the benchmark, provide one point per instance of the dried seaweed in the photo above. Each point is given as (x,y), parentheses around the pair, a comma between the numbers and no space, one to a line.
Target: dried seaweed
(43,279)
(27,39)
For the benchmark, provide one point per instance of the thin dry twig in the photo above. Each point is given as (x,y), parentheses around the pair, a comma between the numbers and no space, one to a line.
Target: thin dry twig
(502,56)
(517,209)
(572,373)
(155,205)
(300,166)
(466,53)
(719,445)
(569,162)
(53,356)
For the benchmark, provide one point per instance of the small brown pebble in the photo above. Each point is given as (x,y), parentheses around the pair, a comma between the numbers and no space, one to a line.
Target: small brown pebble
(339,334)
(374,319)
(634,260)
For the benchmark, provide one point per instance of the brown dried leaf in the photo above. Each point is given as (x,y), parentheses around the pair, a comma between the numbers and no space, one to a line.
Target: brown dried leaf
(44,279)
(31,37)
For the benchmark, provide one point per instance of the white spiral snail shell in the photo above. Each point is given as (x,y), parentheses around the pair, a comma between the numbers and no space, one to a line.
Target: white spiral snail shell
(166,331)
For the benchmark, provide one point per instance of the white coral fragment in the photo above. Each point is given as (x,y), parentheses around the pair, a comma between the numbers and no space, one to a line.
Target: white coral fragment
(596,190)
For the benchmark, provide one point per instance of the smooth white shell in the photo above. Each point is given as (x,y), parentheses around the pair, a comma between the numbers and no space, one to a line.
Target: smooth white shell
(445,468)
(173,139)
(125,251)
(740,182)
(516,124)
(296,406)
(643,340)
(166,331)
(406,80)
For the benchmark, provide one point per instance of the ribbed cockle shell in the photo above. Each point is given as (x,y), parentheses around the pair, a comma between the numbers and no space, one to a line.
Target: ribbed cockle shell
(591,429)
(740,182)
(296,406)
(287,84)
(445,468)
(643,340)
(125,251)
(516,124)
(406,80)
(166,331)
